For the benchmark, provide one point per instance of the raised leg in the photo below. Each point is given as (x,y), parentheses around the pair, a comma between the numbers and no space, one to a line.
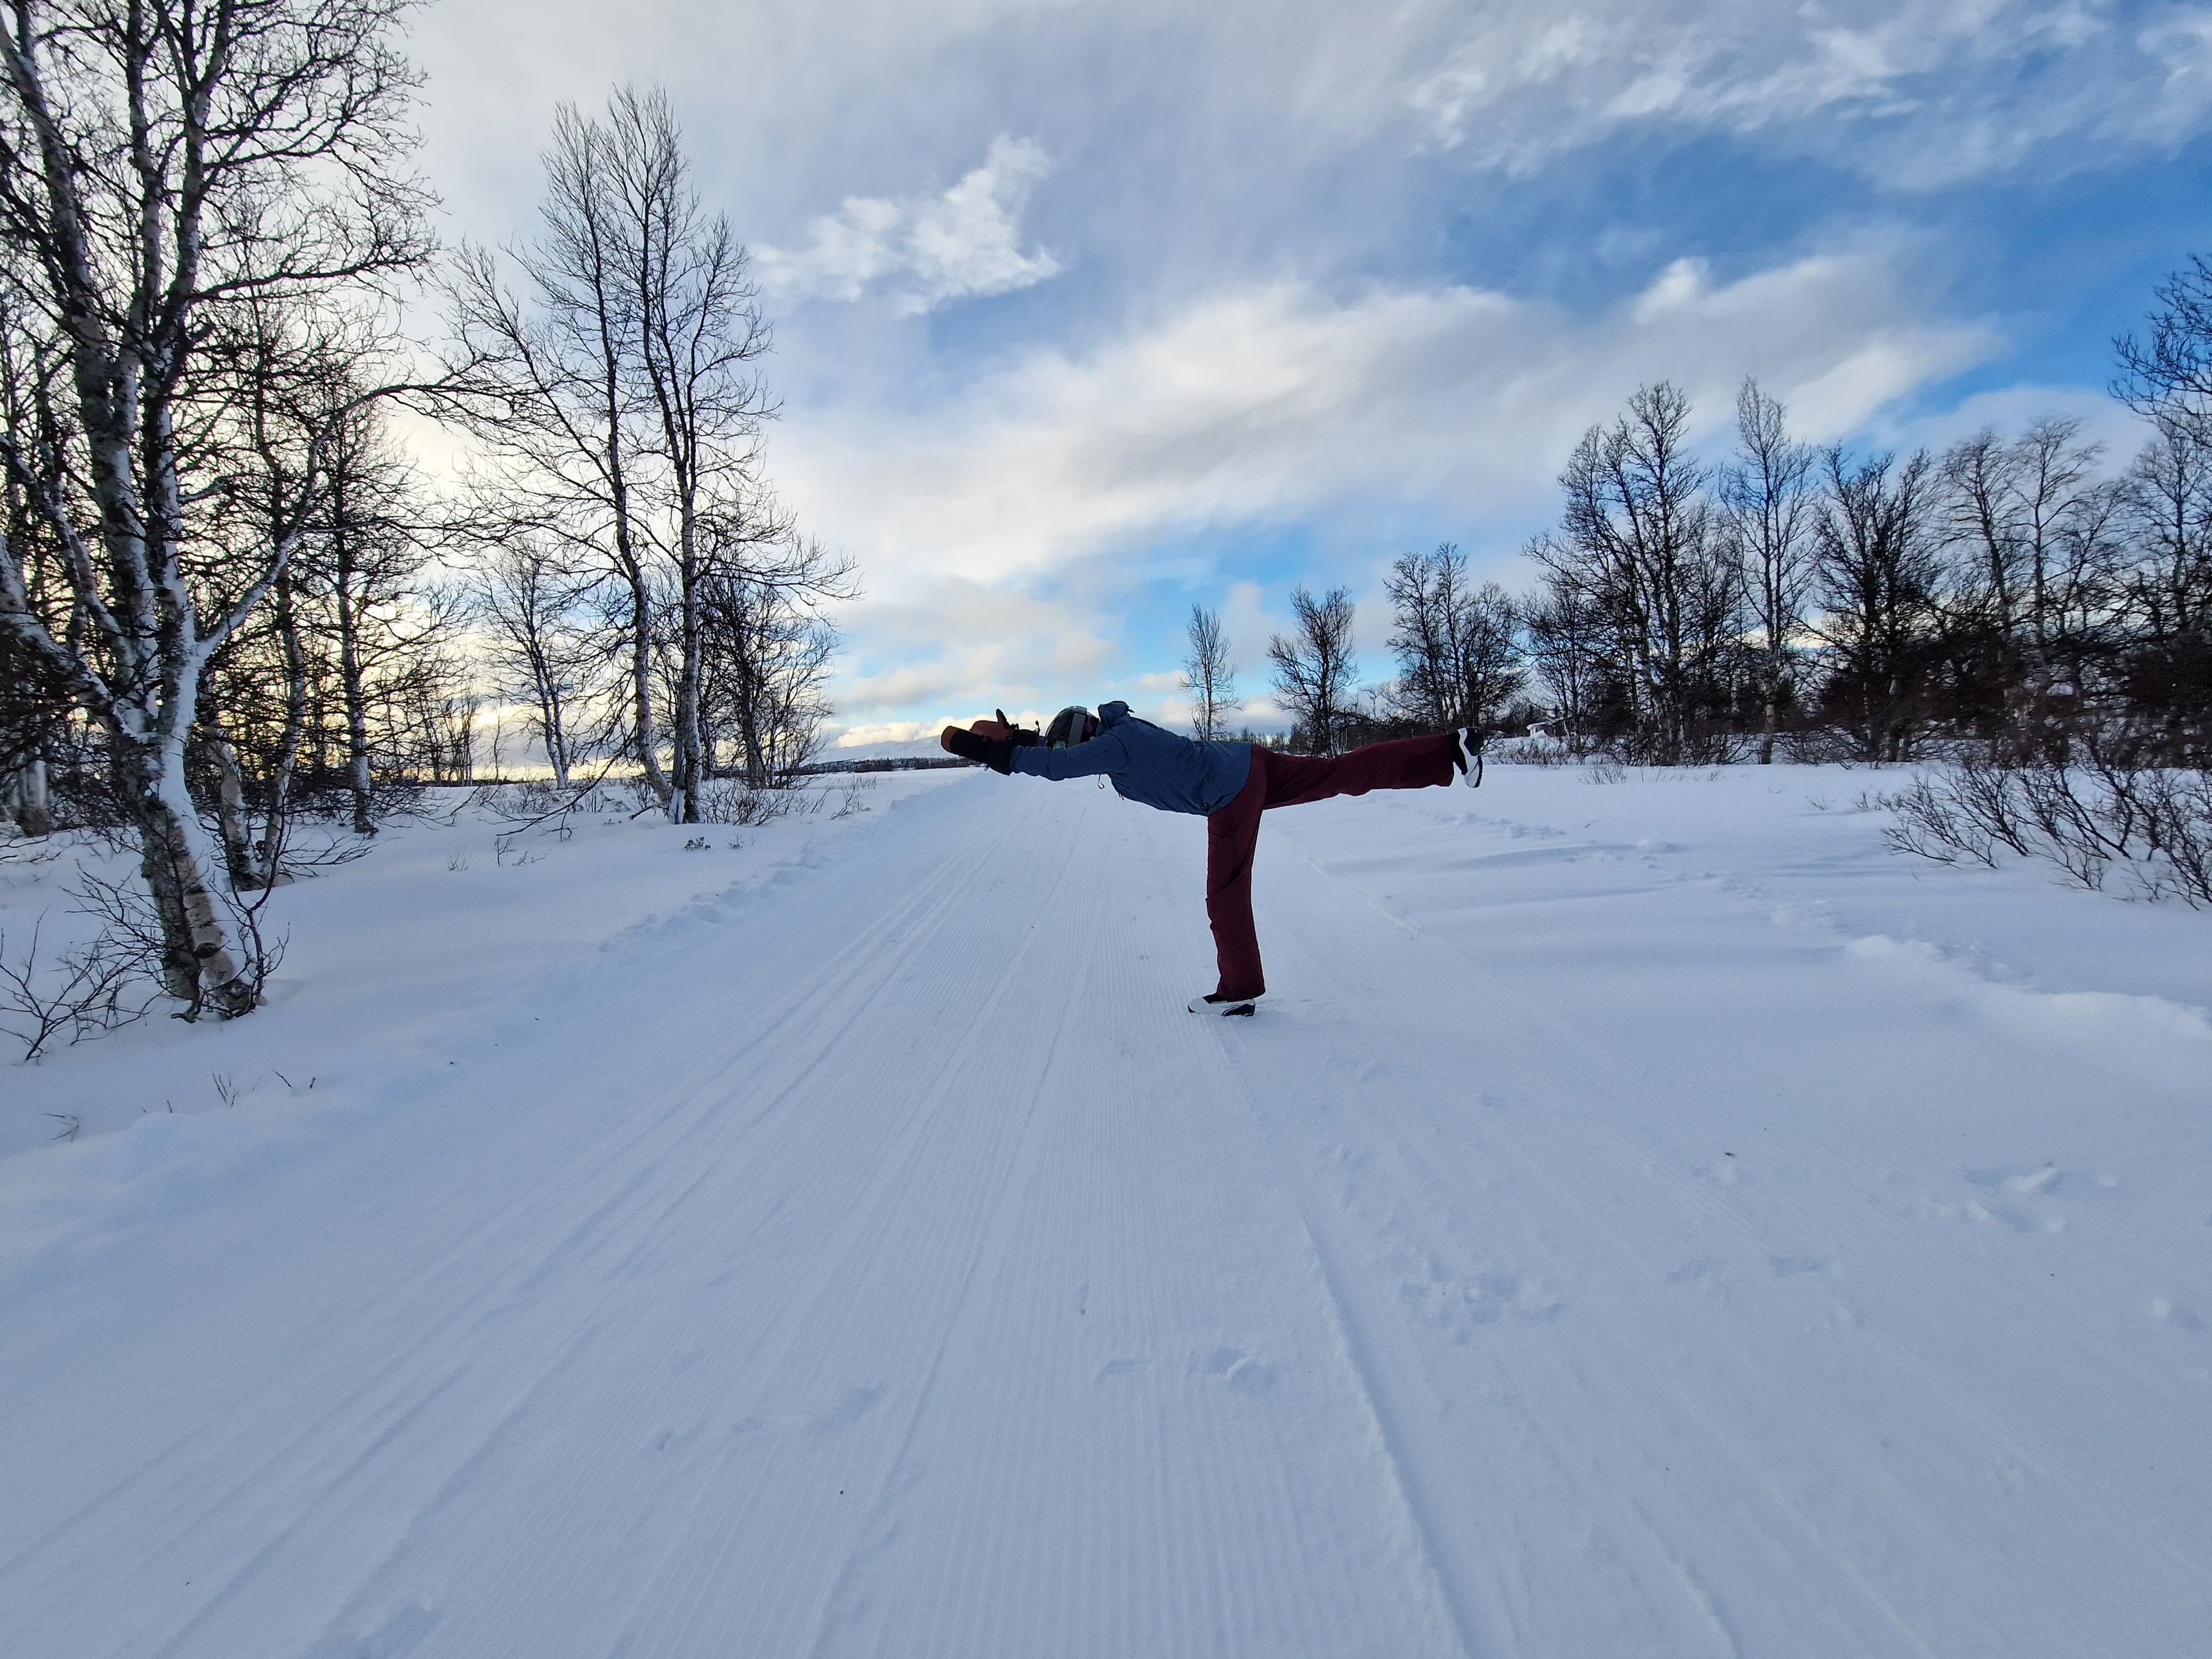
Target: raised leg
(1401,763)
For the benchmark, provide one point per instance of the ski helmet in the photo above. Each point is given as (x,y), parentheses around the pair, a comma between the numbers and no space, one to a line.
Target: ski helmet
(1071,725)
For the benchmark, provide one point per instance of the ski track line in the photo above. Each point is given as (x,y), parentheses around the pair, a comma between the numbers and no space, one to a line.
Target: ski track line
(1358,1343)
(621,1138)
(877,1529)
(1565,1200)
(962,1565)
(857,1241)
(850,1238)
(498,1295)
(1259,1567)
(1625,1358)
(1381,1360)
(505,1295)
(1569,1201)
(1353,1343)
(1613,1077)
(1725,1213)
(859,1248)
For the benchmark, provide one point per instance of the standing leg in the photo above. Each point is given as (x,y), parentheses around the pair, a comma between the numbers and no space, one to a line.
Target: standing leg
(1230,835)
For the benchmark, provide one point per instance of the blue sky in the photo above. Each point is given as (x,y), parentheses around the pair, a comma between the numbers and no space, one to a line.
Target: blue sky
(1088,311)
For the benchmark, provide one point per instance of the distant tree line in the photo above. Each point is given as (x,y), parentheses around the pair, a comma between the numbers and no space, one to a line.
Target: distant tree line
(2005,590)
(2013,594)
(229,602)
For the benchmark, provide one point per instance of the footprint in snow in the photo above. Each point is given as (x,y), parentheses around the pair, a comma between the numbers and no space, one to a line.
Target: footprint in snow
(1244,1372)
(1794,1266)
(1461,1307)
(856,1404)
(2022,1183)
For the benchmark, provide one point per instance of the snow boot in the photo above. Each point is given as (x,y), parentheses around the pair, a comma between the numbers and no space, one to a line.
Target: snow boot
(1466,755)
(1215,1003)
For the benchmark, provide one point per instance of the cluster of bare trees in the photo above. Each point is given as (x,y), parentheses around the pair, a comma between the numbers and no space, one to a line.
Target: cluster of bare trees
(1315,670)
(2007,590)
(228,598)
(198,207)
(2086,619)
(2011,605)
(1457,646)
(2014,591)
(606,369)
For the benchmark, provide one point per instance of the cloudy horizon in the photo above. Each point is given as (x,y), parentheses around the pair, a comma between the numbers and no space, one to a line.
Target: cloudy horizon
(1086,314)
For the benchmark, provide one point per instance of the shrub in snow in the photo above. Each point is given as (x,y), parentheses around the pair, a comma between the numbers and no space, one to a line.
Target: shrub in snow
(2096,818)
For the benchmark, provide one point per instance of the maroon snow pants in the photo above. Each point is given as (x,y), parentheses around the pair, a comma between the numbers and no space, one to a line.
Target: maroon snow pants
(1279,780)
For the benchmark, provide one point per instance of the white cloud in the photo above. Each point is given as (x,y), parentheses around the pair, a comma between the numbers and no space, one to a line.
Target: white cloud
(924,250)
(2103,420)
(944,648)
(1267,403)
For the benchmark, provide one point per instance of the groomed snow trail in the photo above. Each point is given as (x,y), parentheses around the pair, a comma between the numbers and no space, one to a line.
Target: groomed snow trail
(1569,1260)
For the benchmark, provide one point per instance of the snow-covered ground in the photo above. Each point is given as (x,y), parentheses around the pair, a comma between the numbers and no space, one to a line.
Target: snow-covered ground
(1648,1217)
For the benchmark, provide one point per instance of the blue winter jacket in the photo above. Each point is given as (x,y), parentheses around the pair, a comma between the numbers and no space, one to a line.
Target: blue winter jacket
(1147,765)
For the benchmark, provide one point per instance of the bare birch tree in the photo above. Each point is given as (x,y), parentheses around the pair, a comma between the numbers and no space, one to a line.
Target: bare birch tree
(1209,677)
(2169,503)
(553,397)
(1426,595)
(1767,494)
(373,612)
(1568,643)
(700,333)
(617,395)
(2169,376)
(541,643)
(1878,591)
(164,167)
(767,642)
(1490,658)
(33,705)
(1314,667)
(1638,547)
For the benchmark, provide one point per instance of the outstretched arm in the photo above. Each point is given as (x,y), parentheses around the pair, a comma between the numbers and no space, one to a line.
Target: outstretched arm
(1104,753)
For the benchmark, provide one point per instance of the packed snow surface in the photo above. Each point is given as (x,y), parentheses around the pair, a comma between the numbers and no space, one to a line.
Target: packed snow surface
(1646,1216)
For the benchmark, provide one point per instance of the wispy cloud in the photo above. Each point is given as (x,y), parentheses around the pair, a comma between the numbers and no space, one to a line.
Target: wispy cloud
(924,250)
(1263,404)
(1931,92)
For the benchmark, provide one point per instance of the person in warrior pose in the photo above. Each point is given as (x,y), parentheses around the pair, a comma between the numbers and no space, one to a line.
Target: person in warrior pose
(1229,784)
